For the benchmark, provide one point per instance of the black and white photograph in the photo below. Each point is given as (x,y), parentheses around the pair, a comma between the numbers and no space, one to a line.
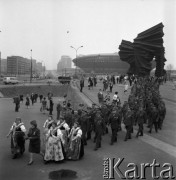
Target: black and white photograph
(87,89)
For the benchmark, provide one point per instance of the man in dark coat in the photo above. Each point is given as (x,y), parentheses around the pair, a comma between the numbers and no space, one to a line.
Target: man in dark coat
(162,114)
(128,124)
(81,84)
(154,119)
(140,121)
(32,98)
(114,122)
(100,97)
(91,125)
(58,109)
(98,131)
(51,104)
(17,103)
(84,126)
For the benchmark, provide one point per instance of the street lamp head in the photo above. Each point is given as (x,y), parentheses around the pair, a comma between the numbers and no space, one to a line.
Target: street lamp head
(81,46)
(71,46)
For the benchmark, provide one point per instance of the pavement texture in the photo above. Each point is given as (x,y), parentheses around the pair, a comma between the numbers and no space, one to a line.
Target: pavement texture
(160,146)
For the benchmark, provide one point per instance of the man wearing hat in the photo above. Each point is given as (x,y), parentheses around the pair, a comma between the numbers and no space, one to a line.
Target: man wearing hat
(58,109)
(128,124)
(114,122)
(100,97)
(98,130)
(154,119)
(140,121)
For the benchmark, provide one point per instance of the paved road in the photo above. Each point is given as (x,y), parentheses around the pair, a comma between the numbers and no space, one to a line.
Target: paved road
(159,146)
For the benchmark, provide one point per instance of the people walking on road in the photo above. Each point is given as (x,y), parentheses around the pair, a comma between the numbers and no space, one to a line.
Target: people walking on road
(81,84)
(58,109)
(34,141)
(76,147)
(140,121)
(125,87)
(100,97)
(116,98)
(51,104)
(114,122)
(27,101)
(99,128)
(44,105)
(41,97)
(53,146)
(110,86)
(32,98)
(17,132)
(17,103)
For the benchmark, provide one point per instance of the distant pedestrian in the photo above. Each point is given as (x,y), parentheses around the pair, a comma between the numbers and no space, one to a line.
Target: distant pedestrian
(58,109)
(21,98)
(32,98)
(27,101)
(81,84)
(51,104)
(125,87)
(17,103)
(100,97)
(110,86)
(41,97)
(44,105)
(116,98)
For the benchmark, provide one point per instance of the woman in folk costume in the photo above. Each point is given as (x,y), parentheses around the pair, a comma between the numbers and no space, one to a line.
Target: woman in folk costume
(17,133)
(76,147)
(46,127)
(63,126)
(48,123)
(34,140)
(54,149)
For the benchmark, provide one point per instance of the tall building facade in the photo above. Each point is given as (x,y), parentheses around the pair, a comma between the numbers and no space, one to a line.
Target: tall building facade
(3,66)
(65,62)
(17,65)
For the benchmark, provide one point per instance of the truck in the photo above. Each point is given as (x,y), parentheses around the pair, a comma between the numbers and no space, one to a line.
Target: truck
(64,79)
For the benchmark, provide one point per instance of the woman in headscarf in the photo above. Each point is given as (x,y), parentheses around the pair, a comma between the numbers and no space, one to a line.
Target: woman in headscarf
(53,148)
(34,140)
(17,133)
(64,127)
(76,148)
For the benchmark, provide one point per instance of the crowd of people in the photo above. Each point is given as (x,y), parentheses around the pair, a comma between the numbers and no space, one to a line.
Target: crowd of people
(66,136)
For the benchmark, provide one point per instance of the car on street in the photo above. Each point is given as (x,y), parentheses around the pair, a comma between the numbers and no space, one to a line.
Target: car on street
(10,80)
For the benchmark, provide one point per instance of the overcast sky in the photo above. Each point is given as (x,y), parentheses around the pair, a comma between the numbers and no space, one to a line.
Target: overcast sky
(50,27)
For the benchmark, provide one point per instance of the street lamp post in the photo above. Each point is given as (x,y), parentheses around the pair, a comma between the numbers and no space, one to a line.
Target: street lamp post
(76,49)
(31,68)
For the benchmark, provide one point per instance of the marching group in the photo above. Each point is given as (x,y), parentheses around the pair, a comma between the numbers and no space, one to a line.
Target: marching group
(67,134)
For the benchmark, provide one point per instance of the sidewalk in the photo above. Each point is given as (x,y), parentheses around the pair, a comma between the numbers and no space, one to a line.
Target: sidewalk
(166,91)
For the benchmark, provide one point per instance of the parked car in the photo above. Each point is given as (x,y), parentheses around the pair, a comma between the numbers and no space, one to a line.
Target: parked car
(10,80)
